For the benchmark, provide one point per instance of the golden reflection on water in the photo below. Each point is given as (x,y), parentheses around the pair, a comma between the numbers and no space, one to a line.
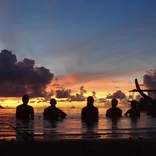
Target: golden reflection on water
(72,124)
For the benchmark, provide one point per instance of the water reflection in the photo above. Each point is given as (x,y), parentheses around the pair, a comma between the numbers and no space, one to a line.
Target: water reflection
(72,125)
(118,131)
(114,127)
(89,130)
(25,130)
(133,123)
(50,129)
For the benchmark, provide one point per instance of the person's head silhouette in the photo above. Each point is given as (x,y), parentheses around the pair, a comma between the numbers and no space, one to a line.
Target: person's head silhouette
(133,104)
(53,102)
(90,101)
(25,99)
(114,103)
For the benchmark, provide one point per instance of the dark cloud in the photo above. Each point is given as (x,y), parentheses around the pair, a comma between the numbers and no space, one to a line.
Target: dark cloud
(117,95)
(63,93)
(18,78)
(149,81)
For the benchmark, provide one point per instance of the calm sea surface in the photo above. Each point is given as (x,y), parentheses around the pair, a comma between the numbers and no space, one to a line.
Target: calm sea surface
(71,127)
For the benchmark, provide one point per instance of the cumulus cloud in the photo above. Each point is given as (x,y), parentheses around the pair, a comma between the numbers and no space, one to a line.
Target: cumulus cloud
(64,93)
(149,79)
(117,95)
(22,77)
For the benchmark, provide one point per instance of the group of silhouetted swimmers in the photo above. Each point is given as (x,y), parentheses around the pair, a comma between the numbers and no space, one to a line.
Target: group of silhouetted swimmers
(25,112)
(89,113)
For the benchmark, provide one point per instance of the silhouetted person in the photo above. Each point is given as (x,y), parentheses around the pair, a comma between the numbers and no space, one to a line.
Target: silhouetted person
(152,109)
(134,111)
(24,111)
(52,113)
(90,113)
(114,112)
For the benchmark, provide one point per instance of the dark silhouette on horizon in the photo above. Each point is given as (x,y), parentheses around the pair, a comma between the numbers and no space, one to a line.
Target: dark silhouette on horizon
(114,112)
(90,113)
(152,107)
(24,112)
(116,95)
(63,93)
(52,113)
(134,112)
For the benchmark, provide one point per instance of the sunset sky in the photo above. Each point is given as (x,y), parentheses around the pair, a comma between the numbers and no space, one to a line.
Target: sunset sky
(100,44)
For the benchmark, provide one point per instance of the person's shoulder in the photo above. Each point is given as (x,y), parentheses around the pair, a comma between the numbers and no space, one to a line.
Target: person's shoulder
(119,109)
(58,109)
(30,107)
(84,108)
(47,108)
(129,110)
(109,109)
(19,106)
(96,108)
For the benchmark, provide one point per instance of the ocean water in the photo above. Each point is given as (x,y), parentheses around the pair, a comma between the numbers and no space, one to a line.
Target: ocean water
(72,128)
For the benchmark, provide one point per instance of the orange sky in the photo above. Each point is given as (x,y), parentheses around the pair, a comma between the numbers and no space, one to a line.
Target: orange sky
(100,85)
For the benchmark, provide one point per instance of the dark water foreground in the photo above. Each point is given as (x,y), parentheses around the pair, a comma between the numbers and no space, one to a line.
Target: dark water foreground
(70,137)
(72,128)
(91,147)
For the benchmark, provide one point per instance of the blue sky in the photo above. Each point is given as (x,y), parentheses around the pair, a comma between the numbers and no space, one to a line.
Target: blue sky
(88,38)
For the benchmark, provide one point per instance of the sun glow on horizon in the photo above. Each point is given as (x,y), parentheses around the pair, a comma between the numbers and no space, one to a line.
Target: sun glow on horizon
(101,87)
(41,102)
